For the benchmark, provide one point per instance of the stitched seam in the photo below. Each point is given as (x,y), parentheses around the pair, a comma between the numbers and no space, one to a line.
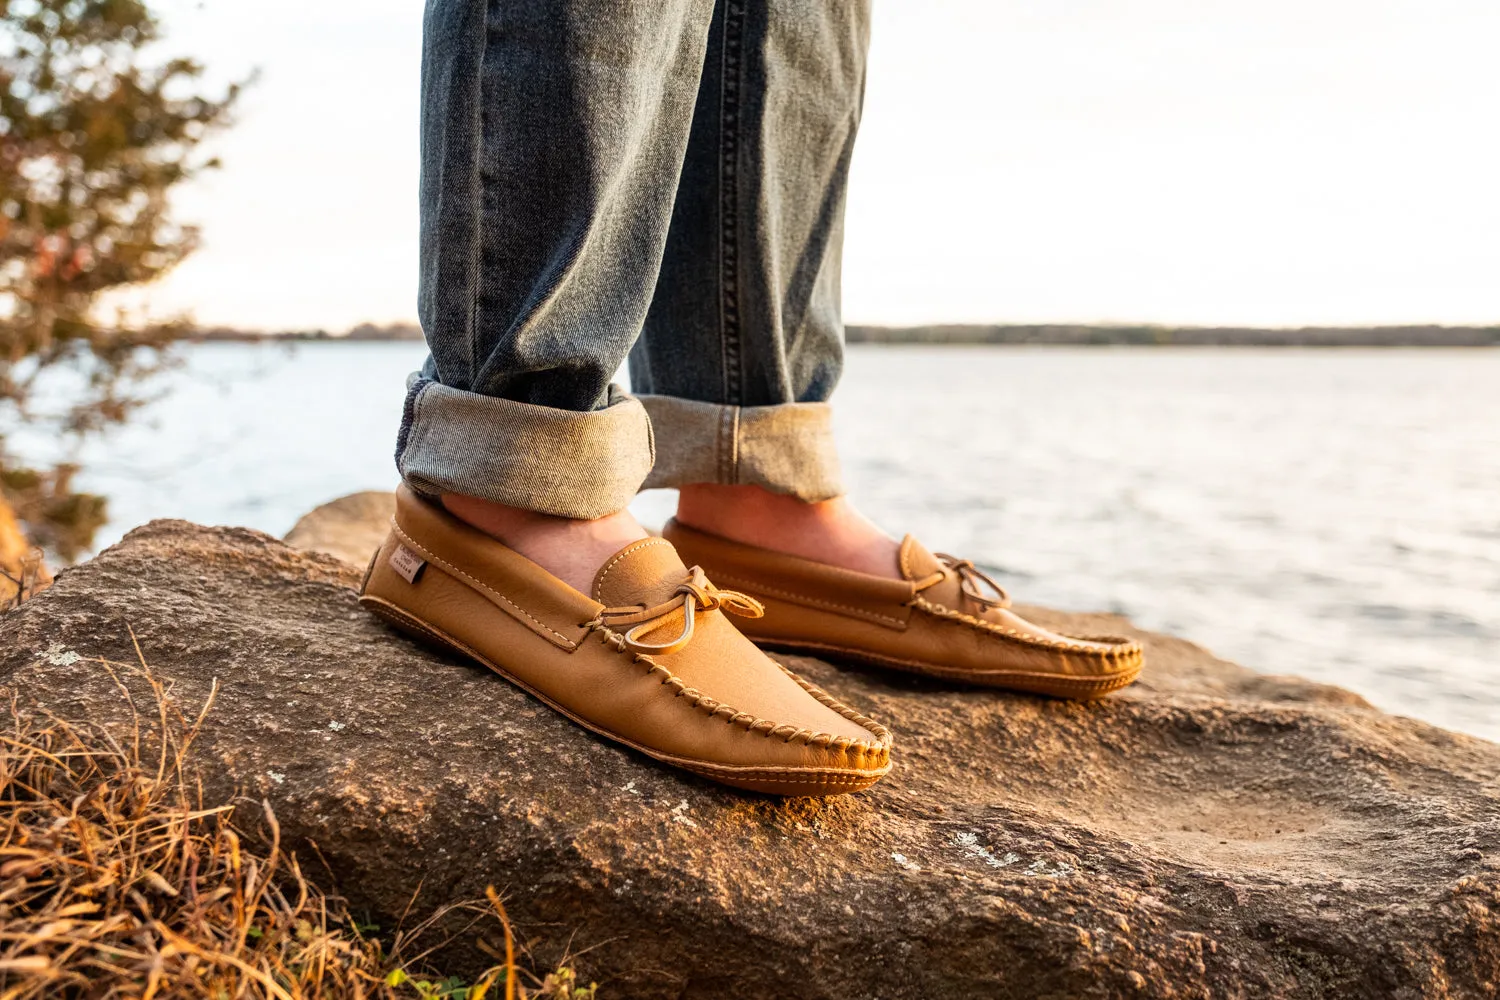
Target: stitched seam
(881,733)
(636,547)
(777,776)
(765,727)
(724,446)
(479,252)
(477,583)
(1024,638)
(729,190)
(718,475)
(790,595)
(734,446)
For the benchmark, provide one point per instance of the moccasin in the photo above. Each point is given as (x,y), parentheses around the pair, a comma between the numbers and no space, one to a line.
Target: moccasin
(945,618)
(649,659)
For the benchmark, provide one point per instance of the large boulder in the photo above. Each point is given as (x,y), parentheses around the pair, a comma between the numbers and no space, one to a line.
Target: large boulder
(349,528)
(1208,833)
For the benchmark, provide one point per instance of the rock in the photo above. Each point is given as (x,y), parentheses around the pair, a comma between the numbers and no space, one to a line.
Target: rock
(22,571)
(349,528)
(1209,833)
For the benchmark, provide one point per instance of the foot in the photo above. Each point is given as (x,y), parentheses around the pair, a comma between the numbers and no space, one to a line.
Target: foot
(649,658)
(831,532)
(943,617)
(570,550)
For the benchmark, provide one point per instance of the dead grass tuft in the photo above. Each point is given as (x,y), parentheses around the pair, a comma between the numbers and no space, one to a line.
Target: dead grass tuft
(116,880)
(26,577)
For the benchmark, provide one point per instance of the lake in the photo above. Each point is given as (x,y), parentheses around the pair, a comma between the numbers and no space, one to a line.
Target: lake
(1334,514)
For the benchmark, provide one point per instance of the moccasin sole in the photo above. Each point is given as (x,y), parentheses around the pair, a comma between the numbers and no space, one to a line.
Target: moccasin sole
(1075,687)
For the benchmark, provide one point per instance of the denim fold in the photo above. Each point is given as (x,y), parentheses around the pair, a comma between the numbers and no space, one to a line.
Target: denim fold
(581,464)
(786,448)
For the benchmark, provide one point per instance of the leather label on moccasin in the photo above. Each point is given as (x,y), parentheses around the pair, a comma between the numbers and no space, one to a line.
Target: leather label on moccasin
(407,563)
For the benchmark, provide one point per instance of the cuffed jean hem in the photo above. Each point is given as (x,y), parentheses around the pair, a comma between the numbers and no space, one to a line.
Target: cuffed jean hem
(786,448)
(562,462)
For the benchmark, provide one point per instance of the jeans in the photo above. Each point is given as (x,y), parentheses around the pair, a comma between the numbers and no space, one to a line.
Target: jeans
(661,181)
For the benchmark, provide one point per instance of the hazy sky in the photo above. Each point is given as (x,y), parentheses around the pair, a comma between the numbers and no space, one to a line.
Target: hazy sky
(1172,161)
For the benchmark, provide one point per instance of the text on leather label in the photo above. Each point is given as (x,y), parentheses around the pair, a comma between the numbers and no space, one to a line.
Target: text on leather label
(407,563)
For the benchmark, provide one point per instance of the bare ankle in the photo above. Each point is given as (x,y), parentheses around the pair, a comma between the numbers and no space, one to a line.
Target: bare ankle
(828,531)
(739,512)
(569,549)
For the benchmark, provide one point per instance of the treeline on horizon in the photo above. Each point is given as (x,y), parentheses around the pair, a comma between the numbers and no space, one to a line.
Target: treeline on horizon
(1070,335)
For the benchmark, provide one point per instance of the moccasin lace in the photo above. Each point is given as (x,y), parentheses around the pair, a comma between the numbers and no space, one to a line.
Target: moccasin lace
(970,580)
(692,595)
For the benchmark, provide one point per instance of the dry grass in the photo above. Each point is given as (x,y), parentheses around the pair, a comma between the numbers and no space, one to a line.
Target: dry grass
(116,881)
(22,576)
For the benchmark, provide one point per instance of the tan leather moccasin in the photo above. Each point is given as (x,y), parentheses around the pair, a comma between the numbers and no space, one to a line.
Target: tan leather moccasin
(649,660)
(944,619)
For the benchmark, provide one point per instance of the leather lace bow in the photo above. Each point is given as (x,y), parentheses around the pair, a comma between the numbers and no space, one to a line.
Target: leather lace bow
(692,595)
(970,580)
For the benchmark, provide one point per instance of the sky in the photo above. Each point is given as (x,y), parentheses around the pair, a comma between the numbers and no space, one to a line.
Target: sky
(1201,162)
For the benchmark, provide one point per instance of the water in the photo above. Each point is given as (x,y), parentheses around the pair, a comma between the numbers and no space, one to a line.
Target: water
(1332,514)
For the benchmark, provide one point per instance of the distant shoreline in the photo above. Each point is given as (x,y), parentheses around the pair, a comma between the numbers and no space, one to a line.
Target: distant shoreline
(1059,335)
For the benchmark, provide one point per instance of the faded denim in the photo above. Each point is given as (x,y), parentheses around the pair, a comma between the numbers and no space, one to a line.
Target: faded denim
(662,181)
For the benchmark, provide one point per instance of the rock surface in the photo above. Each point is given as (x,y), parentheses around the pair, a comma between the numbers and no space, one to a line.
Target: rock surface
(349,528)
(1209,833)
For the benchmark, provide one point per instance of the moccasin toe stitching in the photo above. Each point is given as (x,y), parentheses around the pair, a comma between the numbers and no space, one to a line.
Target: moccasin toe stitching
(876,750)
